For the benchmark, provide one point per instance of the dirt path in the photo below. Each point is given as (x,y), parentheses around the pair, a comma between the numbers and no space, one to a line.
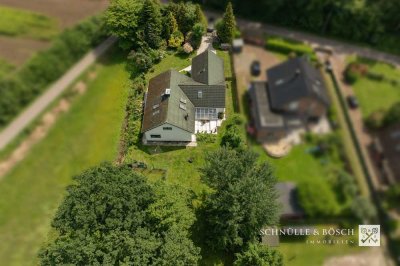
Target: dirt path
(40,104)
(206,41)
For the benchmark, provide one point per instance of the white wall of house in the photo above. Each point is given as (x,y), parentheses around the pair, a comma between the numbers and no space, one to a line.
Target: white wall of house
(168,132)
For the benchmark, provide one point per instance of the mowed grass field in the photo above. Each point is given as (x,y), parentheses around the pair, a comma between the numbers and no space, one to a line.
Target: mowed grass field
(85,136)
(23,23)
(305,252)
(374,95)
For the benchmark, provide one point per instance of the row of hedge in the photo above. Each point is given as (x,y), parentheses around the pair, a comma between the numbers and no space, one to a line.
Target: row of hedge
(133,113)
(285,46)
(18,90)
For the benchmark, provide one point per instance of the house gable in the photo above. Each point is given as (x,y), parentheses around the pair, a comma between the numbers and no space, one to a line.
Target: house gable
(208,68)
(168,132)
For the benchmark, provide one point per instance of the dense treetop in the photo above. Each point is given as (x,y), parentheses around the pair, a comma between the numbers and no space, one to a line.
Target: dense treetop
(244,198)
(114,216)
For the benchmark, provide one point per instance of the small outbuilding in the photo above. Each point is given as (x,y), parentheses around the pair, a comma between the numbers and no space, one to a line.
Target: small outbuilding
(237,45)
(288,199)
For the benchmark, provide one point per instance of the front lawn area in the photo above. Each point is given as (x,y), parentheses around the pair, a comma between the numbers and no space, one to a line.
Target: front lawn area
(22,23)
(83,137)
(373,94)
(301,253)
(174,161)
(300,165)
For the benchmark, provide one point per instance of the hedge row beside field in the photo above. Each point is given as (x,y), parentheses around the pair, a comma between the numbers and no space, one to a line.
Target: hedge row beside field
(285,46)
(134,113)
(18,90)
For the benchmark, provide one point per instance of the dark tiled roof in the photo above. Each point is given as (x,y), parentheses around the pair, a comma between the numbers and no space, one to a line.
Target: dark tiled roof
(262,114)
(161,109)
(294,79)
(389,139)
(211,95)
(288,199)
(208,68)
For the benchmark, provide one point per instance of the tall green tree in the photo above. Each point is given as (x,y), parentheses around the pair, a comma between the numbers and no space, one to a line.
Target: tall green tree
(243,201)
(151,23)
(170,25)
(196,34)
(122,20)
(112,216)
(227,27)
(258,255)
(184,14)
(200,17)
(390,10)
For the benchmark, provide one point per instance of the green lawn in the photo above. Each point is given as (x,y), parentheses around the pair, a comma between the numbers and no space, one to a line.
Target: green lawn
(83,137)
(17,22)
(374,95)
(302,253)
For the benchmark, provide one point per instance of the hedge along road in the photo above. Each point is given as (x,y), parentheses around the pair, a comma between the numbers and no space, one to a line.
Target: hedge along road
(55,90)
(340,47)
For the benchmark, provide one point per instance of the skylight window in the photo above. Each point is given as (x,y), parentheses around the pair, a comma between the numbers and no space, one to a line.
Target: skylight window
(200,94)
(182,106)
(183,100)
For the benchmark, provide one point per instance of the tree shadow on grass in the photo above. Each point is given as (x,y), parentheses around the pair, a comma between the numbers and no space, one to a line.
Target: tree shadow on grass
(114,56)
(151,150)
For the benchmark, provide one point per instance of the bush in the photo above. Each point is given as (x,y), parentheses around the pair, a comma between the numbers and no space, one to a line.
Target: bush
(346,186)
(139,61)
(375,119)
(363,209)
(393,115)
(47,66)
(186,48)
(231,138)
(142,60)
(134,113)
(206,138)
(235,119)
(287,47)
(196,34)
(176,39)
(375,76)
(258,255)
(317,199)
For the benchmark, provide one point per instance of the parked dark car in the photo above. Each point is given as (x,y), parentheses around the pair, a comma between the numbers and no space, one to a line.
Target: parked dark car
(352,102)
(210,27)
(255,68)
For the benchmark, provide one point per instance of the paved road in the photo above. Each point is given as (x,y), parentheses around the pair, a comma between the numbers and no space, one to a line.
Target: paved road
(337,46)
(41,103)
